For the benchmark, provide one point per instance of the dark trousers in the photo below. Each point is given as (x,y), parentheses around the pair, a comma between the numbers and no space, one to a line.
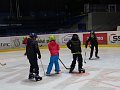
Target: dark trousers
(79,58)
(34,68)
(92,49)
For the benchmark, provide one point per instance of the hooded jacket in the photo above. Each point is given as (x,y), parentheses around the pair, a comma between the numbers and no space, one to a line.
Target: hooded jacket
(74,45)
(53,48)
(92,39)
(32,48)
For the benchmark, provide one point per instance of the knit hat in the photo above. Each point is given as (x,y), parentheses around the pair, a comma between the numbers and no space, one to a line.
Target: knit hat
(52,37)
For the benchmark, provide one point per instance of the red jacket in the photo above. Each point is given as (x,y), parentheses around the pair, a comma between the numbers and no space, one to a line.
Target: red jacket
(53,48)
(25,40)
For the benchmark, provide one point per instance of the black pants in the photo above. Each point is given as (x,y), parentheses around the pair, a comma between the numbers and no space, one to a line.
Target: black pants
(33,65)
(92,49)
(79,58)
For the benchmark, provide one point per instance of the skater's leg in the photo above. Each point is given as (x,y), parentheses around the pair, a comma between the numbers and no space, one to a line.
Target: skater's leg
(73,63)
(31,71)
(31,65)
(91,53)
(36,67)
(52,59)
(80,62)
(57,67)
(96,51)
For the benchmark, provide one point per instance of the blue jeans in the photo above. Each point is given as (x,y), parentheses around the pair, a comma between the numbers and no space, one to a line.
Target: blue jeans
(53,60)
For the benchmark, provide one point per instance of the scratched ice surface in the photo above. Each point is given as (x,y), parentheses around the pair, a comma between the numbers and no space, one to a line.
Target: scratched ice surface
(101,74)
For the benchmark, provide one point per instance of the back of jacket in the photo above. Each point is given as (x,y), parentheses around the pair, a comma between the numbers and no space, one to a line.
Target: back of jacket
(74,46)
(32,48)
(53,48)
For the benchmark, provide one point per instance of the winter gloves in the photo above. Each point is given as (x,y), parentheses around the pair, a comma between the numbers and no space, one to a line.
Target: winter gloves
(39,56)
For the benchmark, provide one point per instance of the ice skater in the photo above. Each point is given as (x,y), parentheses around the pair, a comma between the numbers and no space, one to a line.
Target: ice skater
(54,51)
(32,51)
(93,43)
(75,46)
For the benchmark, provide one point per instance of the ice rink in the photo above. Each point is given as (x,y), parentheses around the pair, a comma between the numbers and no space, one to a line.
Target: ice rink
(101,74)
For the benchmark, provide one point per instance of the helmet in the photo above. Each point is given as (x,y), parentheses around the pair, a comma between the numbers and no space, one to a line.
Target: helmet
(75,37)
(33,35)
(92,32)
(52,37)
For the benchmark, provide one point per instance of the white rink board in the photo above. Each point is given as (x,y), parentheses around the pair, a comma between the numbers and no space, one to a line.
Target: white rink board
(64,38)
(113,37)
(5,43)
(16,41)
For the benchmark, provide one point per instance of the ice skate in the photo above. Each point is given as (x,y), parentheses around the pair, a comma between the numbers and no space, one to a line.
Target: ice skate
(97,57)
(48,74)
(82,70)
(90,58)
(71,70)
(58,72)
(38,78)
(31,76)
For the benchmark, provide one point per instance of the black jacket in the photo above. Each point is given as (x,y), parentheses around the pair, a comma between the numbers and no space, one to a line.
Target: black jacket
(32,49)
(74,45)
(93,41)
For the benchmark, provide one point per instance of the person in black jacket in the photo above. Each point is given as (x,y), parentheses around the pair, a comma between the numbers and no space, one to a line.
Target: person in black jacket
(94,43)
(75,46)
(32,51)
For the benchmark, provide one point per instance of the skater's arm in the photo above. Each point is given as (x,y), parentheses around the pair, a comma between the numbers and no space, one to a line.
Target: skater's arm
(37,49)
(69,44)
(87,42)
(80,47)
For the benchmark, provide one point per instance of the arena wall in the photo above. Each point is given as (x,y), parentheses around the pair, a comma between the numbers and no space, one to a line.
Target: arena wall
(111,38)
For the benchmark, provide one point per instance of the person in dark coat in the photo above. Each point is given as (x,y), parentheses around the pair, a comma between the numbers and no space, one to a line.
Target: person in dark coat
(75,46)
(33,53)
(93,43)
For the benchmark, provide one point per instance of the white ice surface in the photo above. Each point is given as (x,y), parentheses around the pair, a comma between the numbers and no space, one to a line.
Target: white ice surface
(101,74)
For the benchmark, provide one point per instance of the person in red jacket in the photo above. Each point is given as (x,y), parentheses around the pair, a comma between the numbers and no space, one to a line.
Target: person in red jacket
(25,39)
(54,51)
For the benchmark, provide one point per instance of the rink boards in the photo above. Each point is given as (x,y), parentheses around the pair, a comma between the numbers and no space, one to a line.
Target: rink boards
(105,39)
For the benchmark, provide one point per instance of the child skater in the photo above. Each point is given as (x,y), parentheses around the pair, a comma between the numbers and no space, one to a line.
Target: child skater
(54,51)
(75,46)
(32,50)
(94,43)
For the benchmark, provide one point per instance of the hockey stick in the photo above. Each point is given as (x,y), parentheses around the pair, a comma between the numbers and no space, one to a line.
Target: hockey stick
(63,64)
(85,56)
(42,67)
(2,64)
